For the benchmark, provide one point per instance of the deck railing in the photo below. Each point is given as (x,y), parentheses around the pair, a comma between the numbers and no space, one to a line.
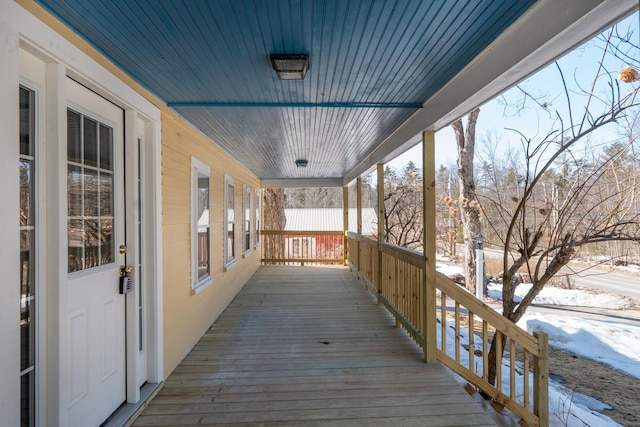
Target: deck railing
(302,247)
(396,276)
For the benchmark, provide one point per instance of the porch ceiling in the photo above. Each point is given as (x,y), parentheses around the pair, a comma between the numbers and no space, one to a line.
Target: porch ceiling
(376,67)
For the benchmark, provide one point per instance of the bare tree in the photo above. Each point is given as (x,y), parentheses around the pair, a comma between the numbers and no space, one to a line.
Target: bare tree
(468,202)
(273,218)
(403,206)
(588,200)
(448,222)
(313,197)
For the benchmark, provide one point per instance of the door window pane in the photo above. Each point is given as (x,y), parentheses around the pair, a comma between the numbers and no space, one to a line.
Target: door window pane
(26,192)
(74,191)
(90,189)
(106,240)
(74,141)
(106,194)
(106,148)
(27,223)
(75,238)
(90,142)
(91,197)
(26,122)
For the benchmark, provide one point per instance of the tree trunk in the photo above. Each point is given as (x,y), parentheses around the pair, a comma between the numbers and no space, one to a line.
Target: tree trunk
(469,206)
(273,218)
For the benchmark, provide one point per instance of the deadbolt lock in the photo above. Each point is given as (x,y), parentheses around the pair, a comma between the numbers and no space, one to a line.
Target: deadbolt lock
(122,249)
(126,271)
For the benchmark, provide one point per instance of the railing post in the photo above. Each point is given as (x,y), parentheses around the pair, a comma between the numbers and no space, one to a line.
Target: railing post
(541,380)
(429,245)
(380,172)
(345,222)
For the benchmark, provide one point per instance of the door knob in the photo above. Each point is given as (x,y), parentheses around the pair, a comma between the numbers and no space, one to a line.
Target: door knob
(125,271)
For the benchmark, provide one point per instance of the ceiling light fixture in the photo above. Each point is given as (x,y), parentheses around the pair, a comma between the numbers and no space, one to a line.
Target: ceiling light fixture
(290,67)
(302,163)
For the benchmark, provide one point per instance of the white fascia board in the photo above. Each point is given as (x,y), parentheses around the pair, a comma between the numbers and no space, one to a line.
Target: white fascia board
(545,32)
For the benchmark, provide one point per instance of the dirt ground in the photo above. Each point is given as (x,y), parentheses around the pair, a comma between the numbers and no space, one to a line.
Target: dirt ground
(584,376)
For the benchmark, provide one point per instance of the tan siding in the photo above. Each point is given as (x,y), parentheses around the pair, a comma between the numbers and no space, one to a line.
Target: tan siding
(188,316)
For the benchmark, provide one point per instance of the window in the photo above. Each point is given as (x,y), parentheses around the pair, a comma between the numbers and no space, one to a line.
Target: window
(256,206)
(200,226)
(27,163)
(246,220)
(90,192)
(229,215)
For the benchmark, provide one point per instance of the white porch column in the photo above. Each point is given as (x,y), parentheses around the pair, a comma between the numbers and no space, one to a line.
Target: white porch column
(9,227)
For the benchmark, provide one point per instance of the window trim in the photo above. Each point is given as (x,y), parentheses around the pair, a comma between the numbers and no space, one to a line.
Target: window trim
(246,220)
(256,219)
(198,168)
(228,261)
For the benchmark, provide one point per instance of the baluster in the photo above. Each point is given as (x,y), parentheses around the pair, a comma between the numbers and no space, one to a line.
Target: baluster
(443,318)
(485,352)
(512,368)
(457,330)
(525,361)
(498,361)
(471,342)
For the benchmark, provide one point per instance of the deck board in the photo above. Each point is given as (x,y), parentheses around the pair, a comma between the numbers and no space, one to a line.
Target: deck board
(305,346)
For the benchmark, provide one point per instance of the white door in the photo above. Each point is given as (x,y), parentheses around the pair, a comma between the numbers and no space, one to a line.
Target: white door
(95,230)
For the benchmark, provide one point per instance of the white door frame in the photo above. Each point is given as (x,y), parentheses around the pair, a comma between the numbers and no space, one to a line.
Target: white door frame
(62,59)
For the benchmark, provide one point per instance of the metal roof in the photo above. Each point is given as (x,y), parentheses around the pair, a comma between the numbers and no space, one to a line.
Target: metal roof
(380,71)
(330,219)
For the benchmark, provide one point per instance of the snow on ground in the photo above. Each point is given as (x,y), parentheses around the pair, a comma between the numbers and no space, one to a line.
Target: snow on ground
(571,297)
(449,269)
(614,344)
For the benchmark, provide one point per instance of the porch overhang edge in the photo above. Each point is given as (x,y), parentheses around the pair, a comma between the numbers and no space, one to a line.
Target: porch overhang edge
(545,32)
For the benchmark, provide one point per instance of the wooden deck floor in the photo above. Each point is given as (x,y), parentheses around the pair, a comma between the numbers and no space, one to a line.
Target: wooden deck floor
(305,346)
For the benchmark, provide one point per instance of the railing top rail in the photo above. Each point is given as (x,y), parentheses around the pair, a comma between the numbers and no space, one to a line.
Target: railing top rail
(357,236)
(410,256)
(301,233)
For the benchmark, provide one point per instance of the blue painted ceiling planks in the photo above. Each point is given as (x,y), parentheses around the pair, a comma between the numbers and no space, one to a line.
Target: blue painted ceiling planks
(375,59)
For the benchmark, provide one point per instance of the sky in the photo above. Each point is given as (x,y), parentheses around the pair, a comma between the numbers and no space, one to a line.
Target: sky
(614,344)
(494,119)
